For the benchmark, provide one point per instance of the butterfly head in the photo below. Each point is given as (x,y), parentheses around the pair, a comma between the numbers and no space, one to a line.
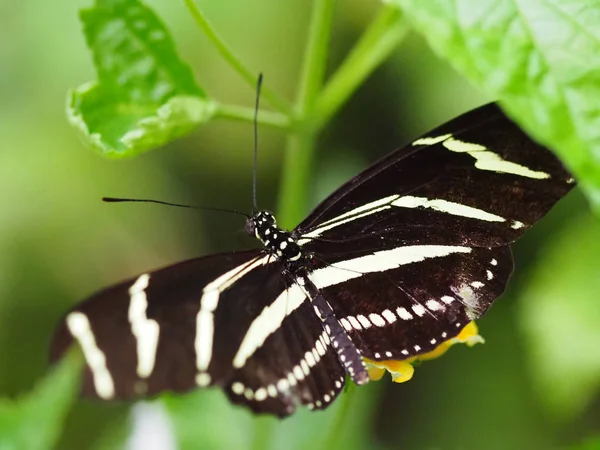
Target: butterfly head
(259,223)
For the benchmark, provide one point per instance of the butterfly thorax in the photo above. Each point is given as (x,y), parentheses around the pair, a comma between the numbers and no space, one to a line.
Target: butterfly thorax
(277,241)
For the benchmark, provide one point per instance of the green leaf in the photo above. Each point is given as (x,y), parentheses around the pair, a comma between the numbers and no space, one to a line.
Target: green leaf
(35,421)
(560,318)
(145,95)
(540,58)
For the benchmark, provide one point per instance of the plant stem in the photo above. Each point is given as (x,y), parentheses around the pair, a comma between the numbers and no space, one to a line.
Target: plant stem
(243,113)
(272,97)
(315,55)
(301,146)
(381,37)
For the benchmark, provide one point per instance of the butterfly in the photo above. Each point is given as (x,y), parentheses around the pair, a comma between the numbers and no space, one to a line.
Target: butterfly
(393,263)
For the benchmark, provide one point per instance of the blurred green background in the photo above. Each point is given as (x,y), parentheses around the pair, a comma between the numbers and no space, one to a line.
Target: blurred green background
(533,385)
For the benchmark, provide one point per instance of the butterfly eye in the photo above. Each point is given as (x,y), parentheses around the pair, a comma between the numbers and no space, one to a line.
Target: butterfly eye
(250,226)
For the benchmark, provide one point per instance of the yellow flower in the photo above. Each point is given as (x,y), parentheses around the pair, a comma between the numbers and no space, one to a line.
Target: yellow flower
(403,370)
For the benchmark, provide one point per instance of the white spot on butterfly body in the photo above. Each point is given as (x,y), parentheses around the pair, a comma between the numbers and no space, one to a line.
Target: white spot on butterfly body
(417,348)
(388,354)
(146,331)
(447,299)
(80,328)
(489,274)
(493,262)
(477,284)
(517,225)
(487,160)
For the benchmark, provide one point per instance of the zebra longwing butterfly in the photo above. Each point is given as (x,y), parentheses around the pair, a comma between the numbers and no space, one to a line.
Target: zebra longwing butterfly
(397,260)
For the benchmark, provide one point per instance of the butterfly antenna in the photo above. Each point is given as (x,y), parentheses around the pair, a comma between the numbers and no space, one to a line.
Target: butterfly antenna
(179,205)
(254,174)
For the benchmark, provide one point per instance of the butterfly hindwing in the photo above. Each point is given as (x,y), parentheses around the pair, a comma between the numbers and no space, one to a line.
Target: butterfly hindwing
(295,366)
(411,309)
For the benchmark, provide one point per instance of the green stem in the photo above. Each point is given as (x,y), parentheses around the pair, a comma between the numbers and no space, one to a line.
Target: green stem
(272,97)
(301,146)
(245,114)
(315,55)
(381,37)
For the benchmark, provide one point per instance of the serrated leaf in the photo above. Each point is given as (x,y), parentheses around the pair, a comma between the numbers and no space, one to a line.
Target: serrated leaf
(560,318)
(540,58)
(145,95)
(35,421)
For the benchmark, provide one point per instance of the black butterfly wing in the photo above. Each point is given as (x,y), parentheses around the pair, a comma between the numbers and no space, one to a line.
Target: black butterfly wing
(428,223)
(303,370)
(413,307)
(139,336)
(477,180)
(231,320)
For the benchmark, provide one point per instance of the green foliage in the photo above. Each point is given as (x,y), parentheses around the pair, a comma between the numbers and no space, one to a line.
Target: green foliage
(145,95)
(35,421)
(561,320)
(540,58)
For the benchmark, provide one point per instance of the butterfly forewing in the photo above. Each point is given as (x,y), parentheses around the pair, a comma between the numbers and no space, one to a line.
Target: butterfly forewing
(478,181)
(141,337)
